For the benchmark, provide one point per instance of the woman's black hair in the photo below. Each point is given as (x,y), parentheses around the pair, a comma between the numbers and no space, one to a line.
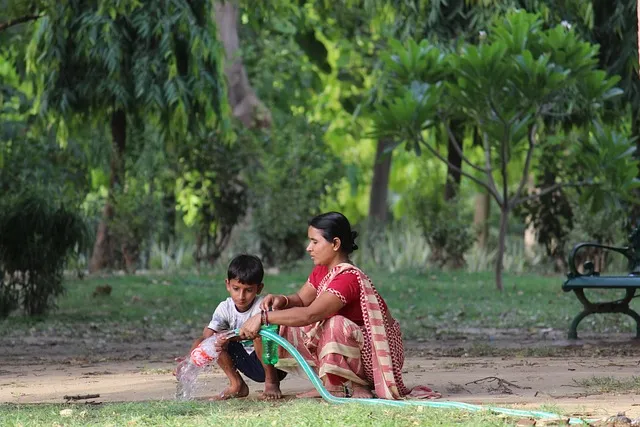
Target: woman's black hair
(334,224)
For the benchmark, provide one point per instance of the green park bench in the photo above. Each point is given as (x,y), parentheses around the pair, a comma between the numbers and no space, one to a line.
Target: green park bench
(591,279)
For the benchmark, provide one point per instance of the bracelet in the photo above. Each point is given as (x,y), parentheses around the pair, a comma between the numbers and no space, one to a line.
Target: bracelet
(263,316)
(287,303)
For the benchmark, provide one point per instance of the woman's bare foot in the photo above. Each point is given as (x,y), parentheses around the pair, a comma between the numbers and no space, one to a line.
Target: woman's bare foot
(311,394)
(271,391)
(234,391)
(336,391)
(361,392)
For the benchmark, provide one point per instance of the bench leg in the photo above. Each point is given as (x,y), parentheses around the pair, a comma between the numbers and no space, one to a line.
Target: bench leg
(636,317)
(573,329)
(607,307)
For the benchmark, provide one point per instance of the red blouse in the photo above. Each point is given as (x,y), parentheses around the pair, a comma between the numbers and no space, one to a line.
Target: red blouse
(346,287)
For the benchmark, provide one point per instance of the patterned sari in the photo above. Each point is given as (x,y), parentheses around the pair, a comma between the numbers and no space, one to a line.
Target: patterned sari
(370,355)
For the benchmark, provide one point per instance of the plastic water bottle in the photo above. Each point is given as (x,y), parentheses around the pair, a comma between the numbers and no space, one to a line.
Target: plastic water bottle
(270,347)
(189,369)
(205,353)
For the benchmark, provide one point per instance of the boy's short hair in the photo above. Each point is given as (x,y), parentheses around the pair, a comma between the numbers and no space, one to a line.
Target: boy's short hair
(246,269)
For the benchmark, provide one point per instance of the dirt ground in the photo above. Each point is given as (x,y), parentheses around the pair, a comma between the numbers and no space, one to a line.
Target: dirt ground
(46,369)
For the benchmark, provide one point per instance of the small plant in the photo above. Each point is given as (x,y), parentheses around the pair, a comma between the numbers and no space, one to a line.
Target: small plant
(400,246)
(170,257)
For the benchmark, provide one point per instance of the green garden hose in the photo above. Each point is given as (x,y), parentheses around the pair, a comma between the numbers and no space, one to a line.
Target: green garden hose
(402,403)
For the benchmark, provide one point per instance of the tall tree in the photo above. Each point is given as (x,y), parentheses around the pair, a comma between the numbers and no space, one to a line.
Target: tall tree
(129,63)
(544,72)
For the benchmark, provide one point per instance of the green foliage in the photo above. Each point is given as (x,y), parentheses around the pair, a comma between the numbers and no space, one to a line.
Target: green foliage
(212,195)
(36,236)
(29,152)
(154,57)
(290,172)
(521,74)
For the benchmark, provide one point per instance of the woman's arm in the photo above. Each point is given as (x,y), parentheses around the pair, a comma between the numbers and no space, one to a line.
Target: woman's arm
(324,306)
(303,298)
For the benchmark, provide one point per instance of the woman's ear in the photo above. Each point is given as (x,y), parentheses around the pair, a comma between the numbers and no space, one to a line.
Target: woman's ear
(336,244)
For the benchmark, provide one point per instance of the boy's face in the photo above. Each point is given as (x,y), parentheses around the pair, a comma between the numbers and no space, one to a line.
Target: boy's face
(242,294)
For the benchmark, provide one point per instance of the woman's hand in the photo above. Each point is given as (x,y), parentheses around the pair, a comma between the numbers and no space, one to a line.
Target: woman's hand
(251,328)
(274,302)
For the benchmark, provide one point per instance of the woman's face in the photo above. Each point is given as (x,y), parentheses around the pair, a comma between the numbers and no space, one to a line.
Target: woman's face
(322,252)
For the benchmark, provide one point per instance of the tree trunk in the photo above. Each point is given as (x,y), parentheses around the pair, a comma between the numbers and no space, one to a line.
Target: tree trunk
(530,232)
(244,103)
(102,256)
(481,218)
(453,158)
(378,209)
(502,237)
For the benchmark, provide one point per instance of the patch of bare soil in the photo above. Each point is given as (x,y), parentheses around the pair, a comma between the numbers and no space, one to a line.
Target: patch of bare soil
(508,371)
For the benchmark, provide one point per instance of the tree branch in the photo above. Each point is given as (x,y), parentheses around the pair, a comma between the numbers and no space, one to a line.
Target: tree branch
(484,184)
(13,22)
(458,149)
(547,190)
(527,162)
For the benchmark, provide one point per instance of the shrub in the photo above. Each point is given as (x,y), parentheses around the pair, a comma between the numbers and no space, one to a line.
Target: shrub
(444,227)
(35,238)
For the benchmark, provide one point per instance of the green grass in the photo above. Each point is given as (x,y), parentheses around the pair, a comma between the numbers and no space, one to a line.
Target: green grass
(428,305)
(610,384)
(238,413)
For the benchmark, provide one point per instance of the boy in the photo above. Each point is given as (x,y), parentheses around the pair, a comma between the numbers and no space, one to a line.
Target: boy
(244,284)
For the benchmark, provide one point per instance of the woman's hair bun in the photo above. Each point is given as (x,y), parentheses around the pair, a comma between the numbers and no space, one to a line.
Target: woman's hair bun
(354,234)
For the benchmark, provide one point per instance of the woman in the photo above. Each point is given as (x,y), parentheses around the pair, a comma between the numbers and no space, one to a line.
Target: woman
(338,321)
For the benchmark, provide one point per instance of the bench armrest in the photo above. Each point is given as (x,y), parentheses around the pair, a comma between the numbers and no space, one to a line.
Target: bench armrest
(628,252)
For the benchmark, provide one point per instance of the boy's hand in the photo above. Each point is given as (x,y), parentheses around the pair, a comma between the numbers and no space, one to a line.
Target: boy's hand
(221,344)
(275,302)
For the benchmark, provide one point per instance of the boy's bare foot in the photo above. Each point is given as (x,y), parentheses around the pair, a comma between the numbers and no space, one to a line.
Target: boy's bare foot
(233,392)
(271,391)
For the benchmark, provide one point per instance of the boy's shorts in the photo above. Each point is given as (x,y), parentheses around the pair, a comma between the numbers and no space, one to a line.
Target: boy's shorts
(249,364)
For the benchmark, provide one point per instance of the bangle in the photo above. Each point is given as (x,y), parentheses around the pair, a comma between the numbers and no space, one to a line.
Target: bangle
(263,317)
(287,303)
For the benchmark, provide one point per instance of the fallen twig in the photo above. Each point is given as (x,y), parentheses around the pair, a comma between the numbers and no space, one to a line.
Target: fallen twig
(503,385)
(82,397)
(564,396)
